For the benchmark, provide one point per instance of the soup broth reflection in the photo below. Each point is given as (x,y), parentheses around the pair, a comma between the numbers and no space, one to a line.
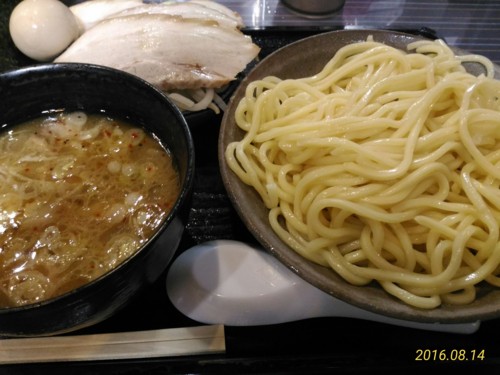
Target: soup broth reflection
(79,194)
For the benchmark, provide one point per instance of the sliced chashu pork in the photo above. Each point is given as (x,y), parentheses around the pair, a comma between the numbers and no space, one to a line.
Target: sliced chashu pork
(170,52)
(189,9)
(219,7)
(89,13)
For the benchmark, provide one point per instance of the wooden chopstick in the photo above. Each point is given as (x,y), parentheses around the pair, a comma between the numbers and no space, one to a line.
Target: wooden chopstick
(208,339)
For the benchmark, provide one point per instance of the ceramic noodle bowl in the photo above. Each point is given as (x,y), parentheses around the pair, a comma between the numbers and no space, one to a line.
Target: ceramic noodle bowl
(29,92)
(302,59)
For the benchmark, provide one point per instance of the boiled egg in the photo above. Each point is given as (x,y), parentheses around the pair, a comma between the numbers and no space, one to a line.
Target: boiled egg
(42,29)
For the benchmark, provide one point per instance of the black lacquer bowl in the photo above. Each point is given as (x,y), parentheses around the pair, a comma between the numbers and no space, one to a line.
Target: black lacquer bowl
(25,94)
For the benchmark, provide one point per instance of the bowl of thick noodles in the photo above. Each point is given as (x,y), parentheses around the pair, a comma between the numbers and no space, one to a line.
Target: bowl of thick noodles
(367,161)
(96,170)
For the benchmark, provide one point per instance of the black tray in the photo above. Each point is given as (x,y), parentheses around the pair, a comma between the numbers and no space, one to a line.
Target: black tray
(321,345)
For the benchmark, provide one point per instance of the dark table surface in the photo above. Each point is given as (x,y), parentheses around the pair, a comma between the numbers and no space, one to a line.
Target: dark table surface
(322,345)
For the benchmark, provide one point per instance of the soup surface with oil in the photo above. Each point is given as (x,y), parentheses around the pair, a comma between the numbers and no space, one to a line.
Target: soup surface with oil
(79,194)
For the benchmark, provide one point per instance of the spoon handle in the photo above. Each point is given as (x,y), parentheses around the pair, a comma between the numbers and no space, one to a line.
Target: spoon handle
(324,305)
(357,313)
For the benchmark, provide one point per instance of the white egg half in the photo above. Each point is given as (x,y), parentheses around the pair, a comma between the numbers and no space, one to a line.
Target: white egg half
(42,29)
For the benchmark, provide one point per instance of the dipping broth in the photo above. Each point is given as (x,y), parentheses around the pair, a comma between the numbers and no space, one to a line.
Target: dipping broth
(79,194)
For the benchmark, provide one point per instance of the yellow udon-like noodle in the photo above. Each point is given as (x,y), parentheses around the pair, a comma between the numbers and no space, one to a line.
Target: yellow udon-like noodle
(79,194)
(384,166)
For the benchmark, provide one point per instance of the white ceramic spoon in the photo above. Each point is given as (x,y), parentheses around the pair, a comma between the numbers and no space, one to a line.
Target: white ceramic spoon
(235,284)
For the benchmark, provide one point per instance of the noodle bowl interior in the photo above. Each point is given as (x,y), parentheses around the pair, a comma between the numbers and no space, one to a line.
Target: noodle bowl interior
(79,194)
(384,167)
